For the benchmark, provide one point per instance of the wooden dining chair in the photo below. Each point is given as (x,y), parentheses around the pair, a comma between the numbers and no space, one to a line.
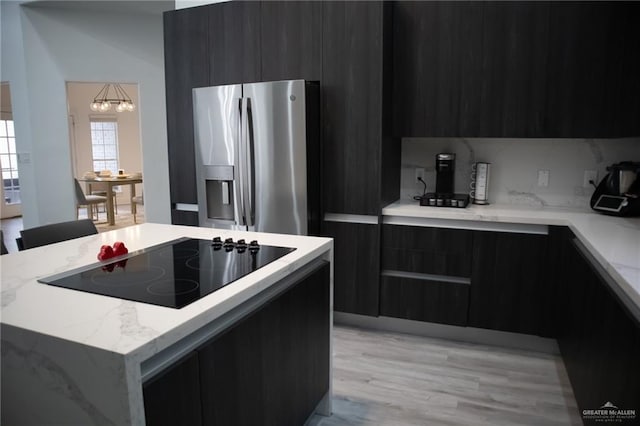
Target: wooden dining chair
(137,200)
(56,232)
(88,201)
(101,188)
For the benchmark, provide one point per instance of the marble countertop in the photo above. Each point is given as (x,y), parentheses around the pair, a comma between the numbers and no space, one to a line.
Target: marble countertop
(131,329)
(613,241)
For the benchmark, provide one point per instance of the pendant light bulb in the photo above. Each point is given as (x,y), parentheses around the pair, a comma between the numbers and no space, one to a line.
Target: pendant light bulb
(121,107)
(105,106)
(130,106)
(95,106)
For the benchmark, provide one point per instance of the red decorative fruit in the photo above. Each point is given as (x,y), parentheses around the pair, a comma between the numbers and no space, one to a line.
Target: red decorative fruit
(119,248)
(106,252)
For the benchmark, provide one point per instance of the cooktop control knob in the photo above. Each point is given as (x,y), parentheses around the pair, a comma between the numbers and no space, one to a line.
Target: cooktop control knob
(216,243)
(229,244)
(253,246)
(241,246)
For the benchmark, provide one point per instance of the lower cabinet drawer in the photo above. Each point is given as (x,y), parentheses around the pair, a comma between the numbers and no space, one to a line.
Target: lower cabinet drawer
(430,300)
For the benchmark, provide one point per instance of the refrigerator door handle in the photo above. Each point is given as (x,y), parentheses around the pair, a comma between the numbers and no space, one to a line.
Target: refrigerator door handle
(239,160)
(250,174)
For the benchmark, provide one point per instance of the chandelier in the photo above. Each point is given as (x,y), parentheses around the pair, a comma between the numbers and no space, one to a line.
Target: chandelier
(102,102)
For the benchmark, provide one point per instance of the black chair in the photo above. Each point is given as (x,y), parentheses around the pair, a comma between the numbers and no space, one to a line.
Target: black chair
(56,232)
(3,248)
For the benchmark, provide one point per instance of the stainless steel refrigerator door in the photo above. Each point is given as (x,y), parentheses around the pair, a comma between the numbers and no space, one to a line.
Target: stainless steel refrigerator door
(217,133)
(275,189)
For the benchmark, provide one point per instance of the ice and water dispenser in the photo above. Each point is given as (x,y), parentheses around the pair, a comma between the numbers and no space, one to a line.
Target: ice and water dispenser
(219,184)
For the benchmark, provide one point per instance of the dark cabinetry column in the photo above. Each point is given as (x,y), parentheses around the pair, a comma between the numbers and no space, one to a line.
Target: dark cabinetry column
(186,67)
(352,97)
(506,282)
(356,266)
(234,43)
(291,40)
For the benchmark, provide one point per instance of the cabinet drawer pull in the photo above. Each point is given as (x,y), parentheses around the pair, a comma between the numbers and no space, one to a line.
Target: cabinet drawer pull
(426,277)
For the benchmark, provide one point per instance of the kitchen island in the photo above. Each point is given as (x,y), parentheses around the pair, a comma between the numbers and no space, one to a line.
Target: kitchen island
(71,357)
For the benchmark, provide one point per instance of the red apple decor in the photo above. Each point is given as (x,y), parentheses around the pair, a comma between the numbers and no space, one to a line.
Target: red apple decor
(107,252)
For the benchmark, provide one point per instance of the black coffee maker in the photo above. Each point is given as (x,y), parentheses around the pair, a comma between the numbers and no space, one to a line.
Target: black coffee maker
(445,171)
(618,193)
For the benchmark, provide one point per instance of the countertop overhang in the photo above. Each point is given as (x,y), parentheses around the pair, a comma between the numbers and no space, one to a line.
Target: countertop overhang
(131,329)
(613,241)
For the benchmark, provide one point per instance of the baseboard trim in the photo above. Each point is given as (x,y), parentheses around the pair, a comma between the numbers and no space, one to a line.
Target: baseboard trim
(450,332)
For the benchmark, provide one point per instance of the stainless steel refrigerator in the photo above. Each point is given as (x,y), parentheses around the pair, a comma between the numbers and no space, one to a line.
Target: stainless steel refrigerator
(258,155)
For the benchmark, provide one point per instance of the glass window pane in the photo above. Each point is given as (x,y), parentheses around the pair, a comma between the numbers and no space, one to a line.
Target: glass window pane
(6,175)
(3,128)
(4,161)
(4,146)
(12,145)
(13,161)
(10,130)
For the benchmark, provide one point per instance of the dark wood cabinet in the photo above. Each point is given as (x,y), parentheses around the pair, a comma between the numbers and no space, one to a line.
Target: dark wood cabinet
(186,67)
(173,396)
(425,273)
(356,266)
(438,251)
(507,281)
(515,41)
(273,367)
(516,69)
(181,217)
(234,43)
(437,68)
(291,40)
(599,337)
(424,300)
(355,67)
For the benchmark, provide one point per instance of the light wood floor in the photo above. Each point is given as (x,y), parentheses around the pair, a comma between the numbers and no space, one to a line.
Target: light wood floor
(385,378)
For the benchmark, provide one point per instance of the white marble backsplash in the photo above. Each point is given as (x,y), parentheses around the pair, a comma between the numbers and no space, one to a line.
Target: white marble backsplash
(515,164)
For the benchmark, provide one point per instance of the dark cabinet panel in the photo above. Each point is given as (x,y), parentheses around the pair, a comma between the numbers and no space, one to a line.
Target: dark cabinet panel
(273,367)
(186,67)
(291,40)
(234,42)
(514,64)
(598,338)
(437,68)
(352,98)
(424,300)
(581,36)
(356,266)
(506,281)
(181,217)
(438,251)
(173,397)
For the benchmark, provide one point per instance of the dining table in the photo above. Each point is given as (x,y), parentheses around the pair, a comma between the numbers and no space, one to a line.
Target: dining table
(112,181)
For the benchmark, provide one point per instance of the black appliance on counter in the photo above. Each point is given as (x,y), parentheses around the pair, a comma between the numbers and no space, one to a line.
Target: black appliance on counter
(173,274)
(618,193)
(444,195)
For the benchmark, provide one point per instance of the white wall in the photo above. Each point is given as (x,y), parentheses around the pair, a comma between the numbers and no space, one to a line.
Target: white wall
(46,44)
(129,152)
(515,164)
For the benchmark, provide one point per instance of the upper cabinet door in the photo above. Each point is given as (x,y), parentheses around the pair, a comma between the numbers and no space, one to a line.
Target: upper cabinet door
(514,65)
(186,67)
(234,40)
(352,105)
(291,40)
(581,48)
(437,68)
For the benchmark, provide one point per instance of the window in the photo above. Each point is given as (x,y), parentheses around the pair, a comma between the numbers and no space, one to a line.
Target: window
(9,163)
(104,144)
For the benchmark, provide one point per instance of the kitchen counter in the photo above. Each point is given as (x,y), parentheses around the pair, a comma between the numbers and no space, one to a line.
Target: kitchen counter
(613,241)
(86,354)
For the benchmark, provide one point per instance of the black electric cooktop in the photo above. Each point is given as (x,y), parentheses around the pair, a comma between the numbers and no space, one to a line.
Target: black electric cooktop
(173,274)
